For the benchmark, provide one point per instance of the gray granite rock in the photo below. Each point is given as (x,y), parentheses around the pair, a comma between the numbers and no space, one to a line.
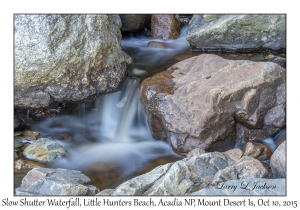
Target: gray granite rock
(192,174)
(46,181)
(44,150)
(106,192)
(66,58)
(245,167)
(210,17)
(243,33)
(179,178)
(278,161)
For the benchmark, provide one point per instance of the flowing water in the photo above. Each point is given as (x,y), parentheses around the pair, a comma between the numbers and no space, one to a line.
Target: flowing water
(109,139)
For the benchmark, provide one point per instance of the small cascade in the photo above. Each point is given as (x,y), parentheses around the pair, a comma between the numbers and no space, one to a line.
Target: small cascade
(123,136)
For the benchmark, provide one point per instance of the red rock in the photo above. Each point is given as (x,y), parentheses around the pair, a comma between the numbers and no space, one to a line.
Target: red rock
(165,27)
(156,44)
(204,102)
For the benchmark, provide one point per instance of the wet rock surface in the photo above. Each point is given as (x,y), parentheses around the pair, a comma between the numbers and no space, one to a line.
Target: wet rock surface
(66,58)
(44,150)
(18,143)
(210,102)
(46,181)
(280,137)
(133,23)
(164,45)
(278,161)
(165,27)
(31,135)
(191,175)
(237,33)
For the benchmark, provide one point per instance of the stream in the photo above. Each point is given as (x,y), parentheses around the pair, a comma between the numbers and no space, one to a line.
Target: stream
(109,139)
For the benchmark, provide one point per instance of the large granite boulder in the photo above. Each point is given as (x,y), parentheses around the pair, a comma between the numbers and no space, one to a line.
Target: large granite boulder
(191,174)
(238,33)
(210,102)
(48,181)
(66,58)
(134,22)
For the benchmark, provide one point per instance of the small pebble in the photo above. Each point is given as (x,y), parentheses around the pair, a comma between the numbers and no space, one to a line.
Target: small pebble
(206,77)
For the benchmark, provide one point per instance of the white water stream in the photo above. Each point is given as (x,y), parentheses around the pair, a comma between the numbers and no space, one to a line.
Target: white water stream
(115,130)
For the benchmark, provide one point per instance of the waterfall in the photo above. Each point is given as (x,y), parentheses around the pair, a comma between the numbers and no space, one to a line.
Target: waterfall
(114,131)
(121,135)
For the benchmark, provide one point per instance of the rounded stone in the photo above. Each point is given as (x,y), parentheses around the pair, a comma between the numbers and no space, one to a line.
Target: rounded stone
(44,150)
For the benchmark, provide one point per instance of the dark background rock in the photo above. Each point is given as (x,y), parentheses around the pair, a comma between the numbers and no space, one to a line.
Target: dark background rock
(134,22)
(279,60)
(238,33)
(184,19)
(165,27)
(66,58)
(18,123)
